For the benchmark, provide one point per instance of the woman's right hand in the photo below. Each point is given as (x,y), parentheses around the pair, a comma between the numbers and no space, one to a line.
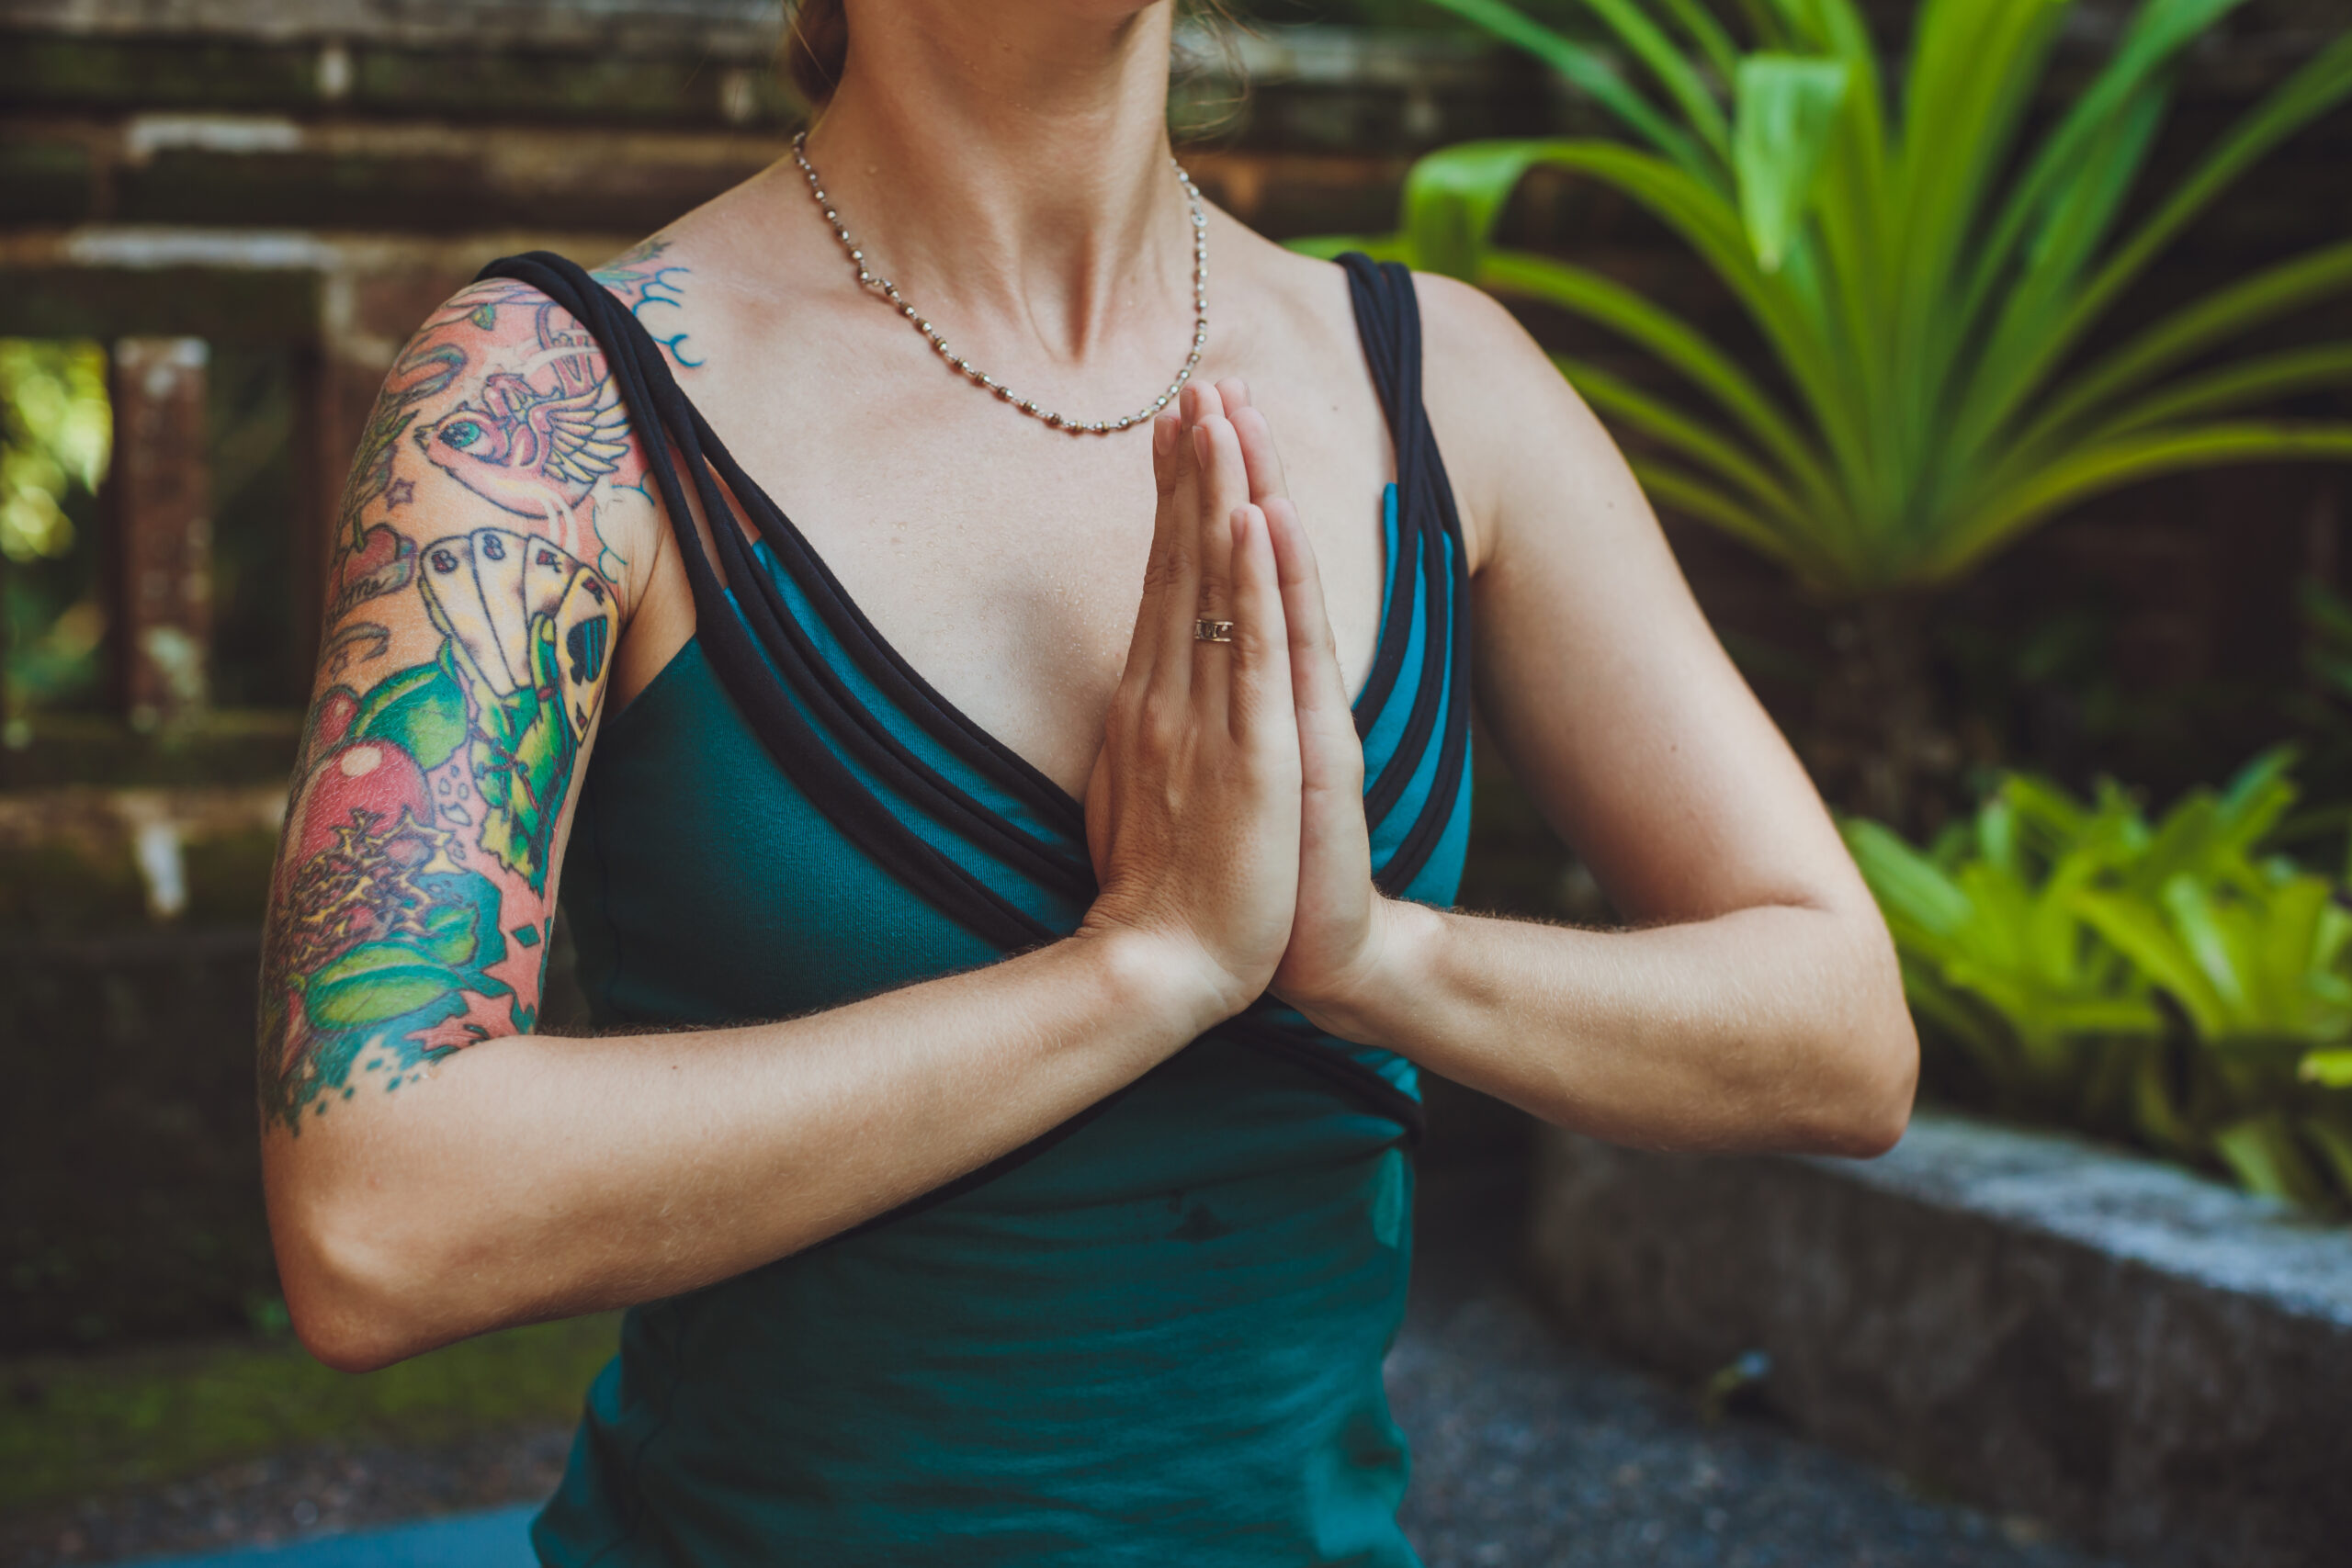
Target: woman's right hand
(1192,810)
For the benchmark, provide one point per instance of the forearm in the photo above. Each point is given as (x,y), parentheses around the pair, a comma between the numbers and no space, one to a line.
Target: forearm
(533,1177)
(1776,1026)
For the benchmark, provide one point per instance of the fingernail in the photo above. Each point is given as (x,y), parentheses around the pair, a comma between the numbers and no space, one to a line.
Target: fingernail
(1163,435)
(1201,444)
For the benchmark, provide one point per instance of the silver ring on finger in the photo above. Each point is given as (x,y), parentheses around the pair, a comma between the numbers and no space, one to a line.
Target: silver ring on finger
(1206,630)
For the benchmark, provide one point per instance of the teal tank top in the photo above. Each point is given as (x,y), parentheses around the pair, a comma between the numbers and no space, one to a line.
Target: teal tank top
(1152,1336)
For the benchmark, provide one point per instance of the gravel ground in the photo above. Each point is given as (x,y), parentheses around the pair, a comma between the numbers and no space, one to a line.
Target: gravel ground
(1529,1452)
(290,1494)
(1532,1451)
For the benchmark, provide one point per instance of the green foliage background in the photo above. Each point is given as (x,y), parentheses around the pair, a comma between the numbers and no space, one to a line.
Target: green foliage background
(78,1428)
(2178,982)
(1926,282)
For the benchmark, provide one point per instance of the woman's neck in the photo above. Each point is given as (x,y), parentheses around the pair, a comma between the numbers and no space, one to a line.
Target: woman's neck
(1009,161)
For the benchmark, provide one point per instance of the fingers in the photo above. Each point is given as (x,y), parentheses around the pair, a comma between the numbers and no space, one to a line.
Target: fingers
(1160,646)
(1173,581)
(1202,479)
(1317,687)
(1200,402)
(1259,710)
(1241,478)
(1223,488)
(1313,650)
(1265,465)
(1224,485)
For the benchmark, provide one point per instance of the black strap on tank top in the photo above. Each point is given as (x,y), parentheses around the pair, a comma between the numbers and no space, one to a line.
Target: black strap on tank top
(1390,318)
(765,659)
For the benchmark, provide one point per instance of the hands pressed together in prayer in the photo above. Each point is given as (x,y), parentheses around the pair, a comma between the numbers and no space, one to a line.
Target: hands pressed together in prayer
(1226,814)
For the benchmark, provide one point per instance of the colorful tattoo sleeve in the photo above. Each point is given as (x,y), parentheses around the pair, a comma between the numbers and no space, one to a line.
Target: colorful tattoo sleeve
(473,606)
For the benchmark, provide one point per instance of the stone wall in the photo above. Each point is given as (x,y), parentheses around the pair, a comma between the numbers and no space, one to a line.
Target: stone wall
(2154,1363)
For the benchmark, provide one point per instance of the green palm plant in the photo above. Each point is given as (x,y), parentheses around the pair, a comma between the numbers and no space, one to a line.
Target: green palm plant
(1927,286)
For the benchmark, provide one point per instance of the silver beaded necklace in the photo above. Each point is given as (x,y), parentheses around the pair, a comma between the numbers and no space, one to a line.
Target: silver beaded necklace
(875,284)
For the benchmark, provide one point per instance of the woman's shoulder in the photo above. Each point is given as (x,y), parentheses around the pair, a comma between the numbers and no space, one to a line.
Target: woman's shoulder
(1454,313)
(511,308)
(502,412)
(1488,388)
(1494,397)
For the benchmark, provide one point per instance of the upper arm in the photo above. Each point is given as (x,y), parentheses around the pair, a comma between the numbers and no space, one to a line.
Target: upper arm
(1598,674)
(482,567)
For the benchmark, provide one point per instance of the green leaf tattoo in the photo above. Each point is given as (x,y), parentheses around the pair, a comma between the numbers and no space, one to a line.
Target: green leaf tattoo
(419,847)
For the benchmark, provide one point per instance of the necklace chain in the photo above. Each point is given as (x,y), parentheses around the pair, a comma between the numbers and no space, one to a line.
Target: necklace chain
(874,283)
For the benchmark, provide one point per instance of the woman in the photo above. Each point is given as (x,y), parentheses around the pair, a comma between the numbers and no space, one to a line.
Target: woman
(1011,991)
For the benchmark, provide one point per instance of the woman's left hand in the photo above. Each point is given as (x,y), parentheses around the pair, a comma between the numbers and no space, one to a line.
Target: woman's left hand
(1341,921)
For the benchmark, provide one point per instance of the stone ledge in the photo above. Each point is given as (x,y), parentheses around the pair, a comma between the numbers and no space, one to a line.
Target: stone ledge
(744,30)
(2151,1362)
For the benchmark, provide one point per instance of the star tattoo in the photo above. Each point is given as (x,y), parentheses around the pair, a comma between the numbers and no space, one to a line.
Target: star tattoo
(400,492)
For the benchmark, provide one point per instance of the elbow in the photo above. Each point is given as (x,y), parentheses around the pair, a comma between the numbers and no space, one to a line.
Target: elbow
(1873,1077)
(350,1300)
(1864,1071)
(1873,1107)
(343,1318)
(340,1340)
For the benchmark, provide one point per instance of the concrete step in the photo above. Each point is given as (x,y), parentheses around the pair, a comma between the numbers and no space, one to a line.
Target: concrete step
(2149,1360)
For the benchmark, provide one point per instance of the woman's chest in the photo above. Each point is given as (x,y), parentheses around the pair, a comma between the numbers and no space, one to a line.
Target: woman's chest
(1004,559)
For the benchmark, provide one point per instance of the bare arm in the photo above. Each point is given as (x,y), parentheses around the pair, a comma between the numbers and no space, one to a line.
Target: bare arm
(531,1176)
(435,1168)
(1757,1003)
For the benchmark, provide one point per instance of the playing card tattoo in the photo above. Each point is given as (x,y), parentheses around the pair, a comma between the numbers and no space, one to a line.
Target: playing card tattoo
(415,881)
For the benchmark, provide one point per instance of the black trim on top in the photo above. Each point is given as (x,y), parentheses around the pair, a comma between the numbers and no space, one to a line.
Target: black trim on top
(1388,316)
(727,636)
(765,658)
(865,734)
(889,668)
(1376,331)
